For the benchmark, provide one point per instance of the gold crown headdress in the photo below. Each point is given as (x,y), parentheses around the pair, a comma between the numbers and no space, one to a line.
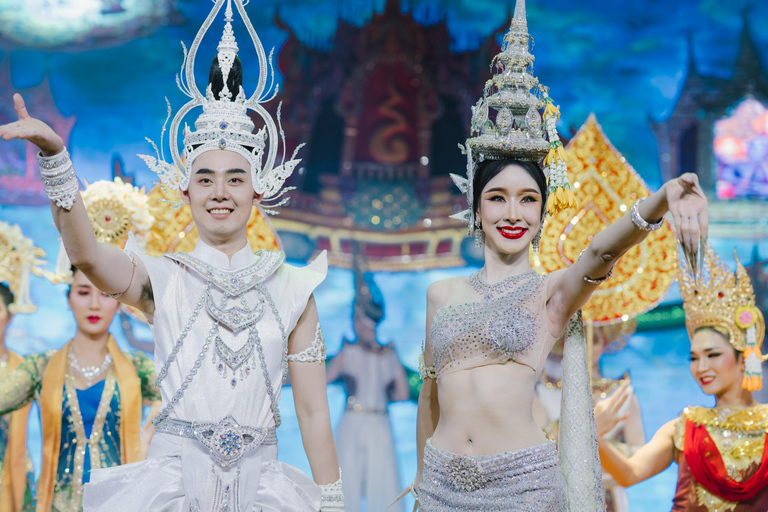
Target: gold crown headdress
(18,257)
(115,209)
(516,96)
(720,298)
(225,123)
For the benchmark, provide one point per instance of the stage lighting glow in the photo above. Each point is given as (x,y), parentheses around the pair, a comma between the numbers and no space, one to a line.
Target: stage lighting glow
(55,23)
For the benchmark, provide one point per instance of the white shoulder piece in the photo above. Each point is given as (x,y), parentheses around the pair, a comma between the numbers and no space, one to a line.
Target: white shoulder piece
(314,353)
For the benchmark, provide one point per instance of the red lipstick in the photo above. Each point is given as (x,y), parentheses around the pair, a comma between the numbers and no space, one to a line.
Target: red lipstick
(512,233)
(94,319)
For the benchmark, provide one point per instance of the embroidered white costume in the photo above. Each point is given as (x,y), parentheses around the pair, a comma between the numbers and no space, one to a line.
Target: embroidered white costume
(221,333)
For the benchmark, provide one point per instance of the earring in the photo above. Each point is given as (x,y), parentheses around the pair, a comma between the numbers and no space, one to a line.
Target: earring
(479,235)
(536,241)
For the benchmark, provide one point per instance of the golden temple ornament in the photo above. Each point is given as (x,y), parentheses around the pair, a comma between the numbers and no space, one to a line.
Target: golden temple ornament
(605,186)
(18,258)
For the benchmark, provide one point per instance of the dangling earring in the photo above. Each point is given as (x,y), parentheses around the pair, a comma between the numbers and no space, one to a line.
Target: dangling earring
(536,241)
(479,235)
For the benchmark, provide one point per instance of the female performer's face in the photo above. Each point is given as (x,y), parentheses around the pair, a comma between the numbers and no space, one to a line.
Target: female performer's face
(714,364)
(92,310)
(220,195)
(510,210)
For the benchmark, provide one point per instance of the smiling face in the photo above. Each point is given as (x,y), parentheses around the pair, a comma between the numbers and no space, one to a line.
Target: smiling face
(92,310)
(221,196)
(714,363)
(510,210)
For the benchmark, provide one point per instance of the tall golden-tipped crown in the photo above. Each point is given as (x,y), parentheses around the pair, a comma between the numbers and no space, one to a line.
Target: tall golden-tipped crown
(721,298)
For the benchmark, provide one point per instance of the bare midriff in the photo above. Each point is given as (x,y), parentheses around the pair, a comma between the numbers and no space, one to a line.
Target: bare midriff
(487,410)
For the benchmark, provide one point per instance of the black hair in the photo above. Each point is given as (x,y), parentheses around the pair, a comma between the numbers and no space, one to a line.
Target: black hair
(489,169)
(234,80)
(72,270)
(6,295)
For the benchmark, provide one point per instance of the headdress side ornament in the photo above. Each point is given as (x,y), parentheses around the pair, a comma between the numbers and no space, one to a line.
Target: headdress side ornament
(720,298)
(115,209)
(516,96)
(224,123)
(18,258)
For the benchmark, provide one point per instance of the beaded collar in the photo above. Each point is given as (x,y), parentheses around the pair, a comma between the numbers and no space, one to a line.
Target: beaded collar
(234,282)
(754,419)
(494,290)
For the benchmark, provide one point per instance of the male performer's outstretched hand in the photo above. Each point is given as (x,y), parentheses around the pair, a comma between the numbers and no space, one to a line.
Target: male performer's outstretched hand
(31,129)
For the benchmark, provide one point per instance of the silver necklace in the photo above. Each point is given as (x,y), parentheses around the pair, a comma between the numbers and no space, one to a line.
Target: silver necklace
(89,373)
(490,290)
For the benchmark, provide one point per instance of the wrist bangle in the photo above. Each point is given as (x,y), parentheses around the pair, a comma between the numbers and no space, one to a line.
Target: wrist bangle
(60,183)
(641,223)
(332,496)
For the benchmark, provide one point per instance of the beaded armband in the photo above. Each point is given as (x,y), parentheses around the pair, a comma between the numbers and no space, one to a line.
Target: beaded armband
(332,496)
(641,223)
(314,353)
(425,372)
(59,180)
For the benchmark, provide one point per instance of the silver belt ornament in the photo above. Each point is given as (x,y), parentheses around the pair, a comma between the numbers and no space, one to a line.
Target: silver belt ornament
(227,441)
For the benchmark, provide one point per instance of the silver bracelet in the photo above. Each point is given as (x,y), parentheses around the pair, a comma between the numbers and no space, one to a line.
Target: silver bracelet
(332,496)
(639,222)
(599,279)
(59,179)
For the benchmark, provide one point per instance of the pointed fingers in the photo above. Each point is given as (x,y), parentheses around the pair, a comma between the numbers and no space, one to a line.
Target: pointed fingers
(20,107)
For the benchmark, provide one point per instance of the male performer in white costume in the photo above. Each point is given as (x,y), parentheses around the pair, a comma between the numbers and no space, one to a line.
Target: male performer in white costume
(228,323)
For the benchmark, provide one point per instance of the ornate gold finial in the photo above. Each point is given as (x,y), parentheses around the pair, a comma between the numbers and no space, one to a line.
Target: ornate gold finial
(720,298)
(18,257)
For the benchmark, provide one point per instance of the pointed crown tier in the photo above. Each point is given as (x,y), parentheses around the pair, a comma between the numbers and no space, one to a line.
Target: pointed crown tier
(516,130)
(720,298)
(18,258)
(224,123)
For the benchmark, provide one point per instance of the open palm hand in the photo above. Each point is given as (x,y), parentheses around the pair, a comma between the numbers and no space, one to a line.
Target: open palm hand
(31,129)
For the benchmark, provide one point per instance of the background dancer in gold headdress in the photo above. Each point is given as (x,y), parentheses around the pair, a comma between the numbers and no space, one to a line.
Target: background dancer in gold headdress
(18,258)
(90,393)
(720,450)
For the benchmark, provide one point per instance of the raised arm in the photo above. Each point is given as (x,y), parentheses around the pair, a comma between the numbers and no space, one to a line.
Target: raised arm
(649,460)
(108,268)
(682,197)
(429,408)
(306,363)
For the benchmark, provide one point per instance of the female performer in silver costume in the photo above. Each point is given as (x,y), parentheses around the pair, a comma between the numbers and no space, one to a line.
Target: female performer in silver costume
(489,334)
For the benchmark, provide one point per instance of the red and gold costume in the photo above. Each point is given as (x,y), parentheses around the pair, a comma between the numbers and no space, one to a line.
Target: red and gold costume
(721,451)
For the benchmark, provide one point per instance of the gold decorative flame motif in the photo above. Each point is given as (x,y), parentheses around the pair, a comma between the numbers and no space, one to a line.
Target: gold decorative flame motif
(174,229)
(110,221)
(606,186)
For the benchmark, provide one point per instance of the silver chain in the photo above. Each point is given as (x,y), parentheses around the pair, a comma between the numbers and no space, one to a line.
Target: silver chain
(163,373)
(490,290)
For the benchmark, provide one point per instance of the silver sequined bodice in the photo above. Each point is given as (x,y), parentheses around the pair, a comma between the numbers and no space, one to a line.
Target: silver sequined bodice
(505,325)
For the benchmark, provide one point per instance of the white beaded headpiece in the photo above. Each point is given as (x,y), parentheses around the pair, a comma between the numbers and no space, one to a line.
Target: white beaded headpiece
(518,132)
(224,123)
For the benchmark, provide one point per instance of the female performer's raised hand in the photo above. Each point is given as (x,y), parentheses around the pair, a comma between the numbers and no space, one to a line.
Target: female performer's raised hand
(31,129)
(688,206)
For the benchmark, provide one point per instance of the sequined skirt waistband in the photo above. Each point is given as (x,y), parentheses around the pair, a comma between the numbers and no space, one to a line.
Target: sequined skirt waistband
(528,479)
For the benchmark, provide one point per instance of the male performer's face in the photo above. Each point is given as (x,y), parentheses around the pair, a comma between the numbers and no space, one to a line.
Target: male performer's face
(93,311)
(714,363)
(220,195)
(510,210)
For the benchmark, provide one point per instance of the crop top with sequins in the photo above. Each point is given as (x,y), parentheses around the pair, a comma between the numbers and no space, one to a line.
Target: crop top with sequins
(508,323)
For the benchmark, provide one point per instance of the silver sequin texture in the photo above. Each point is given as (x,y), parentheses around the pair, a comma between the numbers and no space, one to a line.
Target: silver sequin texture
(500,327)
(526,480)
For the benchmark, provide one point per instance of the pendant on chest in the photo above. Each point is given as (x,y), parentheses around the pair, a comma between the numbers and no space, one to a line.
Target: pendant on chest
(235,318)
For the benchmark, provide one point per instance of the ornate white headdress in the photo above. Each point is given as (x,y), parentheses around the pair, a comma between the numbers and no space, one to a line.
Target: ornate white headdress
(516,96)
(224,123)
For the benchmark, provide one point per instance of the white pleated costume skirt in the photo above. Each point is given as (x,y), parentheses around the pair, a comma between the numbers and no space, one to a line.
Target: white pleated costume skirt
(179,476)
